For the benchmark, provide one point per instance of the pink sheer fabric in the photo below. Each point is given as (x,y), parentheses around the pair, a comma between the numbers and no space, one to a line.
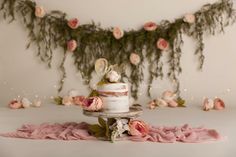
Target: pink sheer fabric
(79,131)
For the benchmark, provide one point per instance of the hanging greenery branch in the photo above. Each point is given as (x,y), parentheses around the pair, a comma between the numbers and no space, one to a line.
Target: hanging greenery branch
(89,42)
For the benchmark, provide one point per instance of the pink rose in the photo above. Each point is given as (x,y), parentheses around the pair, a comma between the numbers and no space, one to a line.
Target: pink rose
(219,104)
(138,128)
(39,12)
(168,95)
(208,104)
(162,44)
(150,26)
(15,104)
(73,23)
(92,104)
(134,59)
(71,45)
(67,101)
(118,33)
(78,100)
(172,103)
(189,18)
(152,105)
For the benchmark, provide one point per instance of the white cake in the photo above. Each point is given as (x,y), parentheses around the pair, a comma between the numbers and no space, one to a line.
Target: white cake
(115,97)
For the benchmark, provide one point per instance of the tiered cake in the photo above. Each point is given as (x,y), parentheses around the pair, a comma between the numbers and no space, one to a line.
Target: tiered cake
(115,97)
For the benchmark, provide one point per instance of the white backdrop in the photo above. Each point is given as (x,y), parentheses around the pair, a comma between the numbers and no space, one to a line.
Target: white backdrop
(21,72)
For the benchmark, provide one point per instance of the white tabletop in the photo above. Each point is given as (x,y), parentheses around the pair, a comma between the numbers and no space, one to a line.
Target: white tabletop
(223,121)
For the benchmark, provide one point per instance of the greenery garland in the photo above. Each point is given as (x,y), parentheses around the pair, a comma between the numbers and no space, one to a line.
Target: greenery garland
(51,31)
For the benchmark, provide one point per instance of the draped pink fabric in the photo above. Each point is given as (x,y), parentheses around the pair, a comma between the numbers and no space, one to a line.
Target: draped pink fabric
(79,131)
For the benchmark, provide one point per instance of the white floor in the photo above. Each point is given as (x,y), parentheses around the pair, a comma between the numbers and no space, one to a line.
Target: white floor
(223,121)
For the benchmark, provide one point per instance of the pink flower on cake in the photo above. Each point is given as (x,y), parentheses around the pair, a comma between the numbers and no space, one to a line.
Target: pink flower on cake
(15,104)
(189,18)
(150,26)
(92,104)
(162,44)
(67,101)
(113,76)
(73,23)
(219,104)
(138,128)
(208,104)
(39,12)
(134,59)
(71,45)
(78,100)
(118,33)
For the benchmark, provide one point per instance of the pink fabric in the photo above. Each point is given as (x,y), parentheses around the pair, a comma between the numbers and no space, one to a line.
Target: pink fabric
(79,131)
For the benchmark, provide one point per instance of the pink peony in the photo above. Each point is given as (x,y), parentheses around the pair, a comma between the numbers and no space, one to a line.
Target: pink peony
(78,100)
(150,26)
(134,58)
(92,104)
(71,45)
(73,23)
(67,101)
(189,18)
(138,128)
(162,44)
(39,12)
(208,104)
(15,104)
(219,104)
(118,33)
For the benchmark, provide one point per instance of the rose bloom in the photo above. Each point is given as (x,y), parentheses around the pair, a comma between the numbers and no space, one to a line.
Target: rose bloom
(208,104)
(67,101)
(78,100)
(138,128)
(92,104)
(118,33)
(15,104)
(219,104)
(39,12)
(134,58)
(73,23)
(168,95)
(113,76)
(150,26)
(189,18)
(152,105)
(162,44)
(71,45)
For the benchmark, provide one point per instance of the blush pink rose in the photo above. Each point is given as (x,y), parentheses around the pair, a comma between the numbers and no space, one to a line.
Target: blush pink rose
(162,44)
(138,128)
(67,101)
(134,59)
(150,26)
(73,23)
(71,45)
(208,104)
(118,33)
(78,100)
(92,104)
(219,104)
(15,104)
(39,12)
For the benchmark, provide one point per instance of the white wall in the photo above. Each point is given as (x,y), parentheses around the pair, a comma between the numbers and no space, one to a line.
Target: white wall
(21,72)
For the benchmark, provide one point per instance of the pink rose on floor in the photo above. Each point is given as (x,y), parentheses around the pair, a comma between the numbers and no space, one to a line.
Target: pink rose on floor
(78,100)
(189,18)
(39,12)
(150,26)
(15,104)
(92,104)
(138,128)
(71,45)
(73,23)
(219,104)
(208,104)
(118,33)
(162,44)
(152,105)
(172,103)
(134,58)
(67,101)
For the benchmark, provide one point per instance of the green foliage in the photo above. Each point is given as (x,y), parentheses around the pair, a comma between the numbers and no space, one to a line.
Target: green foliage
(51,32)
(58,100)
